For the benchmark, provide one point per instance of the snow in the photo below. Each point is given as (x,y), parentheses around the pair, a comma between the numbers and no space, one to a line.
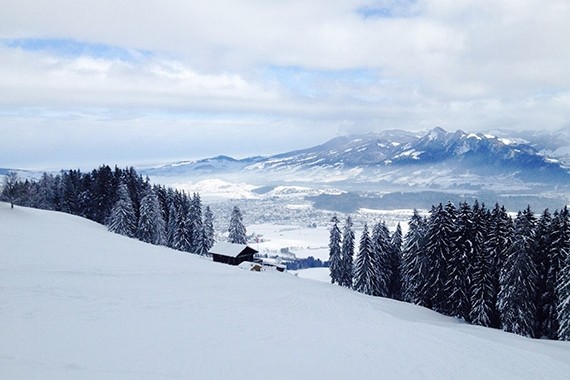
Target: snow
(78,302)
(227,249)
(474,136)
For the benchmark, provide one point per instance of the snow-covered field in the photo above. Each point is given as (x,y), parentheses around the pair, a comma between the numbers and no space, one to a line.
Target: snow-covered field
(77,302)
(302,241)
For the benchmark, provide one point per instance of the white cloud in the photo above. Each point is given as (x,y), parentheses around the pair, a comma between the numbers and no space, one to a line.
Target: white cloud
(411,64)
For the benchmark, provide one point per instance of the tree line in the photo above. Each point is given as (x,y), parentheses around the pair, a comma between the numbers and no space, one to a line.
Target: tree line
(125,202)
(468,262)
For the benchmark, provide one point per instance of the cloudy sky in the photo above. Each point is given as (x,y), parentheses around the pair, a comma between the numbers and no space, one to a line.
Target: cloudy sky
(89,82)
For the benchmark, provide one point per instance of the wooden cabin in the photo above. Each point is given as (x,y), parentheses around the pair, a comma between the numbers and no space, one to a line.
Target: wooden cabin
(232,254)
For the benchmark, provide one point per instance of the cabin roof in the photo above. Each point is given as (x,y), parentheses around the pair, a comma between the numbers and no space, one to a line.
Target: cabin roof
(230,249)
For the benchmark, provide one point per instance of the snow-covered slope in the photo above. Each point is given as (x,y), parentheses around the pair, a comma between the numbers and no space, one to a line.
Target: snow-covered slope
(77,302)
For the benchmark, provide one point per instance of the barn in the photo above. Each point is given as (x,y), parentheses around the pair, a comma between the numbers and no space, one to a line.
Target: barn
(233,254)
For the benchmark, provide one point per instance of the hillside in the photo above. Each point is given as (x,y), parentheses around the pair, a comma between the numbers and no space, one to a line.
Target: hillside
(79,302)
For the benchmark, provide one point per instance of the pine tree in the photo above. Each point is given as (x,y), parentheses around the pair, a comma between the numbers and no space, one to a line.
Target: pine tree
(347,253)
(438,247)
(518,279)
(172,225)
(10,190)
(151,226)
(382,259)
(335,256)
(413,266)
(458,284)
(208,230)
(499,241)
(480,271)
(182,239)
(561,255)
(196,223)
(123,220)
(237,231)
(365,266)
(541,257)
(395,286)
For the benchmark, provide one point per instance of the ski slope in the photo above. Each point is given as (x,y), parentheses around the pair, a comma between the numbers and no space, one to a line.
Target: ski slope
(78,302)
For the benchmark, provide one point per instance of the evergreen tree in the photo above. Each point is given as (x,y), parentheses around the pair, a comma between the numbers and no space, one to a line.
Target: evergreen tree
(480,271)
(438,247)
(499,241)
(561,256)
(413,266)
(335,256)
(182,239)
(208,230)
(151,226)
(237,232)
(541,257)
(395,286)
(382,259)
(459,282)
(197,227)
(365,266)
(123,220)
(347,253)
(172,225)
(518,279)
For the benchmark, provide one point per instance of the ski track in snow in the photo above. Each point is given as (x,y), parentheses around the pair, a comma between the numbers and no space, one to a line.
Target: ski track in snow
(78,302)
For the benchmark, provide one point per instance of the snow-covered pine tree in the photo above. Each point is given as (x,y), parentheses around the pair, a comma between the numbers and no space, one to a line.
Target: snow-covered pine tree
(413,265)
(172,225)
(480,271)
(208,229)
(382,259)
(365,266)
(438,247)
(182,239)
(499,241)
(541,257)
(347,253)
(123,220)
(197,226)
(395,287)
(518,279)
(562,255)
(335,257)
(237,231)
(458,284)
(151,226)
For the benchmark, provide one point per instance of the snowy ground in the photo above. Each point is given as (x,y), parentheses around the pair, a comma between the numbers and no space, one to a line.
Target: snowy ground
(77,302)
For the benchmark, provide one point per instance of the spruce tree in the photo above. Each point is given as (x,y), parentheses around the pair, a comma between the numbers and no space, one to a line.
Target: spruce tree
(480,271)
(395,286)
(413,266)
(382,252)
(123,220)
(347,253)
(209,239)
(196,223)
(438,246)
(335,256)
(459,282)
(519,278)
(562,256)
(151,226)
(544,237)
(365,266)
(182,239)
(499,241)
(237,231)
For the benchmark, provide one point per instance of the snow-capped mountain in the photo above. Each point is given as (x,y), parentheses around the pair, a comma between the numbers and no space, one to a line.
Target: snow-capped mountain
(397,160)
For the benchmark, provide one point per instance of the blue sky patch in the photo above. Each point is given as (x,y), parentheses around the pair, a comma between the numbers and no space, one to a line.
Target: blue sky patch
(72,48)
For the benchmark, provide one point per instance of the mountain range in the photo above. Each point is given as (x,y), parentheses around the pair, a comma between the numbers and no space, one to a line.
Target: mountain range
(401,161)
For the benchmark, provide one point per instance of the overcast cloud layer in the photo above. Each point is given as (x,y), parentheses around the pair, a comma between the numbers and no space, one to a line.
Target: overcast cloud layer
(82,83)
